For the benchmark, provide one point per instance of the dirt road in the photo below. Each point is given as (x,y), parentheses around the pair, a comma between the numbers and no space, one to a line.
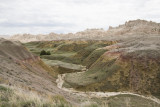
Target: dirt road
(60,82)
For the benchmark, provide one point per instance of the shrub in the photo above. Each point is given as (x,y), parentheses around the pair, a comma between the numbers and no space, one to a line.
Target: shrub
(43,52)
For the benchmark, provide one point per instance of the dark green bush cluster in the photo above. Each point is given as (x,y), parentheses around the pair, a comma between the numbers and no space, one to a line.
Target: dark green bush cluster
(43,52)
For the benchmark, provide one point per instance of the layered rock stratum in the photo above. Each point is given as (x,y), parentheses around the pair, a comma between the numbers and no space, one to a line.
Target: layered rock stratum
(131,28)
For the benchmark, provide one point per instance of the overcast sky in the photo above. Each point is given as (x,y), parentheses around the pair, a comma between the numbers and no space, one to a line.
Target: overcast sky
(63,16)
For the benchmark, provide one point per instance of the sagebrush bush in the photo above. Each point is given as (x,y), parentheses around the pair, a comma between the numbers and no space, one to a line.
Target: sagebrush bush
(43,52)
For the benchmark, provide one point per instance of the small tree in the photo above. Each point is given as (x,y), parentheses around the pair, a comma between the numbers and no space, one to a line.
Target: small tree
(43,52)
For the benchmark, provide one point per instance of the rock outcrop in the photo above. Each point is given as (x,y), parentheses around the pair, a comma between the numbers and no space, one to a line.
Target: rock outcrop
(130,28)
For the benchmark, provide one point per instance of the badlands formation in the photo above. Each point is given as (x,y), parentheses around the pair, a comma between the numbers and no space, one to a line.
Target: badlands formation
(130,28)
(119,67)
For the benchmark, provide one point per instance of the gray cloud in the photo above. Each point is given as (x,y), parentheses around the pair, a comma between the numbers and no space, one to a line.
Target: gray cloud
(62,16)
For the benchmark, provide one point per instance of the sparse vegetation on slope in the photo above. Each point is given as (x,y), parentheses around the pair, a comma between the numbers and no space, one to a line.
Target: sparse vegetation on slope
(110,71)
(20,68)
(77,52)
(16,97)
(122,70)
(93,57)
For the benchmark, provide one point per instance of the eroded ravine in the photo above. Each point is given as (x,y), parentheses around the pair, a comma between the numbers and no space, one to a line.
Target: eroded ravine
(60,81)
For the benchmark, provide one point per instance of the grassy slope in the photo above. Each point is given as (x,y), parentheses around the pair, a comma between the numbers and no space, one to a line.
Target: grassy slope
(93,57)
(16,97)
(96,73)
(86,52)
(76,52)
(111,73)
(63,67)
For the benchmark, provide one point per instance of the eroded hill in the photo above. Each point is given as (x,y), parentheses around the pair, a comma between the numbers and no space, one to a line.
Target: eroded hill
(131,28)
(126,66)
(27,72)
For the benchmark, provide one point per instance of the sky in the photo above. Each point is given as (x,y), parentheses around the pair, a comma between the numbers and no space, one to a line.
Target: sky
(64,16)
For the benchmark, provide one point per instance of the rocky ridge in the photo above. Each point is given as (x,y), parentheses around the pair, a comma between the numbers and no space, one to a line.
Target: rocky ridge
(130,28)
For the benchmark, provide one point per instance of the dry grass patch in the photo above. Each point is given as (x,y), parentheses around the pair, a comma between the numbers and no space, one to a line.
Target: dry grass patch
(17,97)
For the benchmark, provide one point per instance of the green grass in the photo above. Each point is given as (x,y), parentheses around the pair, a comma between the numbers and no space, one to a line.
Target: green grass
(93,57)
(34,47)
(97,73)
(63,67)
(68,51)
(63,64)
(2,88)
(56,56)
